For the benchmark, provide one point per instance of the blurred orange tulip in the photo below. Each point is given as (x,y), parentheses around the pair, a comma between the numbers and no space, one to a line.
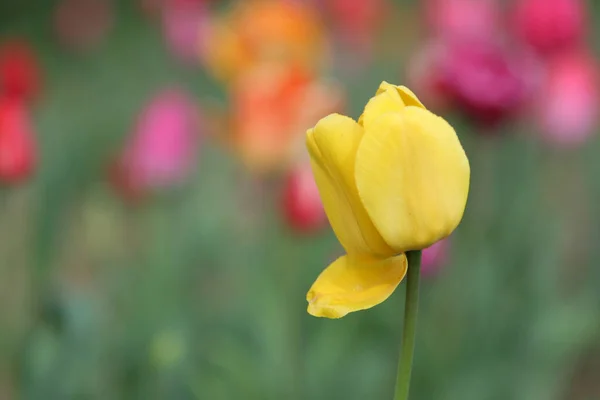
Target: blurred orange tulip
(264,30)
(272,106)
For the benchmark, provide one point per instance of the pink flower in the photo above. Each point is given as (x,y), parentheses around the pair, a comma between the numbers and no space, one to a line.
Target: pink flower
(434,257)
(162,150)
(302,205)
(569,104)
(83,24)
(17,145)
(185,27)
(551,26)
(489,81)
(463,18)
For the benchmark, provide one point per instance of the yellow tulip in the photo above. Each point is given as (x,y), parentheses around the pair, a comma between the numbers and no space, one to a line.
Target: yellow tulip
(396,180)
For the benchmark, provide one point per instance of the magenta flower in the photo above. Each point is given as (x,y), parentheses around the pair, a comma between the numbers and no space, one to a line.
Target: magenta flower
(489,81)
(162,149)
(569,104)
(551,26)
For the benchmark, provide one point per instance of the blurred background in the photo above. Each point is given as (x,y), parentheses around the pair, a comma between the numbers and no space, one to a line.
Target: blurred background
(160,226)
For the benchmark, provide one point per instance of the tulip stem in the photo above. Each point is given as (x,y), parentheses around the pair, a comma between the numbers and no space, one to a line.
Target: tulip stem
(410,325)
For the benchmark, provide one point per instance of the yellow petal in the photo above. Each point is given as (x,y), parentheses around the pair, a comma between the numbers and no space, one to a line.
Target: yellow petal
(412,175)
(408,97)
(332,146)
(387,99)
(353,283)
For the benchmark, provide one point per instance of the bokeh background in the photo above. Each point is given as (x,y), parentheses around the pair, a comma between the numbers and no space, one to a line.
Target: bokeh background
(159,225)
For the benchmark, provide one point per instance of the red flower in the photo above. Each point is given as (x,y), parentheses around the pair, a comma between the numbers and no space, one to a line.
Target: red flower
(19,73)
(17,147)
(302,205)
(551,25)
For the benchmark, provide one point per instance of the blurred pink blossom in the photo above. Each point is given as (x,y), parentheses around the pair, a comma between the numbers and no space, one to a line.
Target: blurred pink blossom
(162,149)
(185,27)
(488,80)
(83,24)
(434,257)
(569,104)
(551,26)
(463,18)
(302,205)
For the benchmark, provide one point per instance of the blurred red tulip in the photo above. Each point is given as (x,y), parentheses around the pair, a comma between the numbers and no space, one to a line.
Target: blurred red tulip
(463,18)
(302,205)
(17,146)
(161,151)
(434,257)
(19,72)
(487,80)
(185,27)
(83,24)
(551,25)
(569,103)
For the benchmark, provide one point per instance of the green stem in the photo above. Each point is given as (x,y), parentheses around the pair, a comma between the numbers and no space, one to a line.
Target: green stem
(410,325)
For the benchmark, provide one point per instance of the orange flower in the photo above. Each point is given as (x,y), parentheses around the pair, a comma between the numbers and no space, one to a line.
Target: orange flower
(272,105)
(265,30)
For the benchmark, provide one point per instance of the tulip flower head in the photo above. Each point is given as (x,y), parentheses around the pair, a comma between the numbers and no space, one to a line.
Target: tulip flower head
(551,26)
(17,146)
(162,149)
(489,81)
(19,71)
(257,31)
(396,180)
(302,205)
(272,104)
(569,102)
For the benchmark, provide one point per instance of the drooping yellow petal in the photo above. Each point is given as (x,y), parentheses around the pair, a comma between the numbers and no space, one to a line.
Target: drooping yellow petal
(387,99)
(332,146)
(354,283)
(412,175)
